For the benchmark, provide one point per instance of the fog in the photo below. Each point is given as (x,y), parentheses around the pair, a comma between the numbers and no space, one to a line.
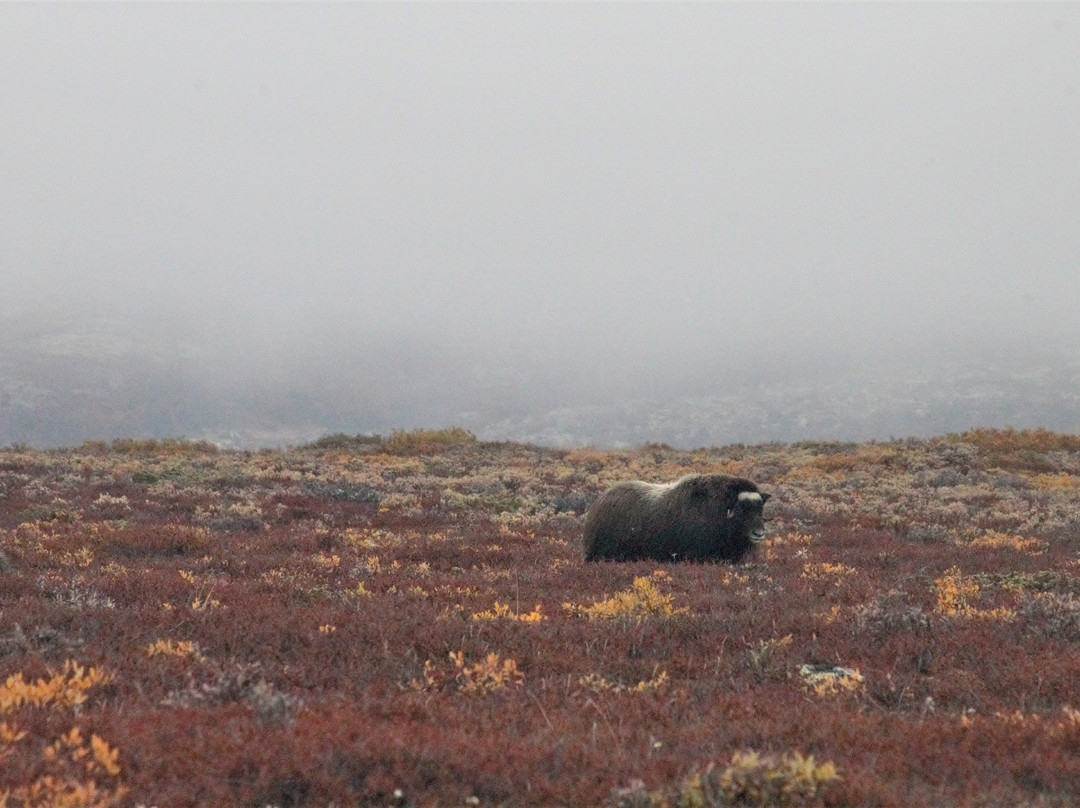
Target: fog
(355,217)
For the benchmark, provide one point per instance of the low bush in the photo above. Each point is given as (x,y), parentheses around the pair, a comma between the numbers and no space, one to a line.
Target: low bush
(410,622)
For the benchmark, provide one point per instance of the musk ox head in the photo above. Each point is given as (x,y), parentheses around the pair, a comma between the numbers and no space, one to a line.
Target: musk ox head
(702,517)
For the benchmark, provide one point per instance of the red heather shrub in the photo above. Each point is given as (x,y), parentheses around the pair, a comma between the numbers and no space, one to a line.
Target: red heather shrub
(342,624)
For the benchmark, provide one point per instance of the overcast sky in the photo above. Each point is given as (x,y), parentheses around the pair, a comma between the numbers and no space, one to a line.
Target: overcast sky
(662,179)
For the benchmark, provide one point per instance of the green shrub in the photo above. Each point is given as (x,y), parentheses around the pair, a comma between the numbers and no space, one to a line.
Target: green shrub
(421,441)
(342,442)
(751,780)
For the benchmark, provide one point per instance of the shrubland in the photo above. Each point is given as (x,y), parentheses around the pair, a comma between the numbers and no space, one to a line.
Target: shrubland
(408,621)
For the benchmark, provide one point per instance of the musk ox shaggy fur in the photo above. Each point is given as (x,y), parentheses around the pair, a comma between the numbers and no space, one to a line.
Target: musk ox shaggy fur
(701,517)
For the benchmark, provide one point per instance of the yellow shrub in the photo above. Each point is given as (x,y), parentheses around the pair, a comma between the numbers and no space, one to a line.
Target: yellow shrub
(750,780)
(768,780)
(427,440)
(956,594)
(9,736)
(836,462)
(832,680)
(1055,482)
(181,648)
(484,677)
(503,612)
(789,538)
(65,689)
(69,760)
(995,540)
(643,599)
(98,755)
(824,569)
(598,684)
(327,561)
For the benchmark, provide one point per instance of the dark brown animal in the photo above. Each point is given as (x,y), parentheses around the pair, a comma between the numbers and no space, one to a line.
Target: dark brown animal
(701,517)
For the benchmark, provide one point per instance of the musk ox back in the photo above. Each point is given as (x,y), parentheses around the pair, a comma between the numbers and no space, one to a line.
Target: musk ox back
(701,517)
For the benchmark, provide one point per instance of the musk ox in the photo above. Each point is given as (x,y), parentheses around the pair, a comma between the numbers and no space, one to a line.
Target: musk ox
(701,517)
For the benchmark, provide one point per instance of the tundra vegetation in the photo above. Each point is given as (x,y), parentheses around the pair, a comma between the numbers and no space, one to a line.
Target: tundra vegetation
(408,621)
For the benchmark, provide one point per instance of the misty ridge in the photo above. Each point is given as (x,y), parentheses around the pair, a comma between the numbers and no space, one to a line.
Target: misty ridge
(564,224)
(65,379)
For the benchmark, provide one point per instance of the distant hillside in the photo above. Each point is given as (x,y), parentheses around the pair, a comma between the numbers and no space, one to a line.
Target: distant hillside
(852,406)
(63,381)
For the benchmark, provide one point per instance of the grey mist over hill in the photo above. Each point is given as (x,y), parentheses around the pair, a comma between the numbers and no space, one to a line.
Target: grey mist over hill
(608,224)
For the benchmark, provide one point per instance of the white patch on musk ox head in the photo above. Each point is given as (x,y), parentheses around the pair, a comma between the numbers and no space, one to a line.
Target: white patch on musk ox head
(655,491)
(749,496)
